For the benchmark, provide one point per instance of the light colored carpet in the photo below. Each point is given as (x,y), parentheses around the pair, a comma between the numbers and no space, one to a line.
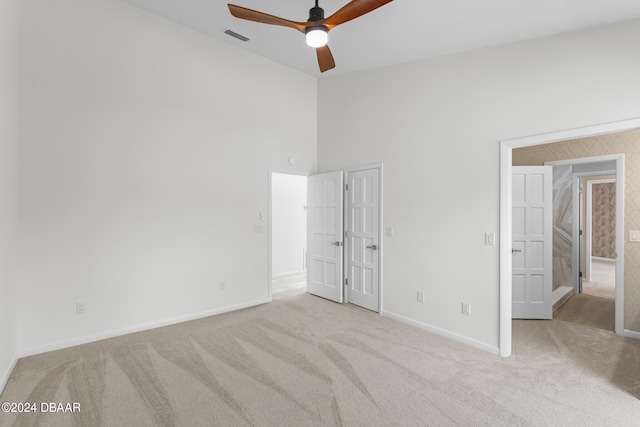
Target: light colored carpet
(602,281)
(284,284)
(588,310)
(305,361)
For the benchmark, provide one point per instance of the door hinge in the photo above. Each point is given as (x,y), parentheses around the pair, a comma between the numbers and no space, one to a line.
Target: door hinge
(580,274)
(581,232)
(346,187)
(346,234)
(346,281)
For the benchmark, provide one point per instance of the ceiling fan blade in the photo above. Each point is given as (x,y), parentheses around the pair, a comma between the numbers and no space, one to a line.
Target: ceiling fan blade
(353,10)
(325,58)
(254,15)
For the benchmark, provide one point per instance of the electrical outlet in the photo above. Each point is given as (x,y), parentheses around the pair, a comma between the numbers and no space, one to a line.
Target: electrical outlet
(420,297)
(223,285)
(466,309)
(81,307)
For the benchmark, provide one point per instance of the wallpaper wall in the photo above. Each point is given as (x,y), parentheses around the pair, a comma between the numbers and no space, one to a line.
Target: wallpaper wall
(585,180)
(623,142)
(603,220)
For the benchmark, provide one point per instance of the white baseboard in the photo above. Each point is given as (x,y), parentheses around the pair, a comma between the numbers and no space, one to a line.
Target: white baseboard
(631,334)
(129,330)
(7,374)
(288,274)
(444,333)
(597,258)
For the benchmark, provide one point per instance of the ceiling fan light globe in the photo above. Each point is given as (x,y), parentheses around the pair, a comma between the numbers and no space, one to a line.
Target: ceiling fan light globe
(317,37)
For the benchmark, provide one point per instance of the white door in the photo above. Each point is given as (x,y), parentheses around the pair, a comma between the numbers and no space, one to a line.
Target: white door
(324,270)
(532,242)
(363,240)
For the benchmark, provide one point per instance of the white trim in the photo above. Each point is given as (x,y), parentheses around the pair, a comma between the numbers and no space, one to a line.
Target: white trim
(270,222)
(585,161)
(7,374)
(30,351)
(631,334)
(620,206)
(442,332)
(288,274)
(599,258)
(506,148)
(577,133)
(364,167)
(506,230)
(347,171)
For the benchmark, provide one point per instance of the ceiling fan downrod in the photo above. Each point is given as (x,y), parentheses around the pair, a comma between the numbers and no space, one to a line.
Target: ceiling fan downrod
(316,13)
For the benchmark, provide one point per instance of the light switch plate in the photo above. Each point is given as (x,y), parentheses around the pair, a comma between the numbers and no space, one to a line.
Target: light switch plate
(490,239)
(634,235)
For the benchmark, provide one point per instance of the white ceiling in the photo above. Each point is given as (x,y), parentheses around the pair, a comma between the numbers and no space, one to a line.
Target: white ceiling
(400,31)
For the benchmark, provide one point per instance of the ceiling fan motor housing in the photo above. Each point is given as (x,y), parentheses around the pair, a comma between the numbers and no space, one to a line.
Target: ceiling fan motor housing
(316,14)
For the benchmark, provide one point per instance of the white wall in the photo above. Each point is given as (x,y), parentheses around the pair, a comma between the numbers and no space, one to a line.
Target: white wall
(436,125)
(9,18)
(144,166)
(289,238)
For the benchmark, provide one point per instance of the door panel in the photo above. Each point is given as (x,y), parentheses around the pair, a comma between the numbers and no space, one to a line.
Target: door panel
(363,240)
(324,277)
(532,242)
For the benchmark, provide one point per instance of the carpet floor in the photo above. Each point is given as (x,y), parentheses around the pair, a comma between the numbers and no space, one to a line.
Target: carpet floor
(305,361)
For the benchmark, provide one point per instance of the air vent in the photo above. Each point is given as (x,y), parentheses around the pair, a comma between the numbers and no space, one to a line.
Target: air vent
(236,35)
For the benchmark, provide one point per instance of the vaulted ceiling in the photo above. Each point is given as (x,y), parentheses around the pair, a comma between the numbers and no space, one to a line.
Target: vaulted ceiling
(400,31)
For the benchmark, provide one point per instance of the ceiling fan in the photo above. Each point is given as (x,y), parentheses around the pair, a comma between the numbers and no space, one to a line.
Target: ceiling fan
(317,27)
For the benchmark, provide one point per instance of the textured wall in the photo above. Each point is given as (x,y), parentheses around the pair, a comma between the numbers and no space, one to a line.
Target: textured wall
(603,220)
(629,144)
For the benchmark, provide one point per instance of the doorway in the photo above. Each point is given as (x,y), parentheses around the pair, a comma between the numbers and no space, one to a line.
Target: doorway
(288,215)
(573,244)
(344,239)
(600,255)
(506,153)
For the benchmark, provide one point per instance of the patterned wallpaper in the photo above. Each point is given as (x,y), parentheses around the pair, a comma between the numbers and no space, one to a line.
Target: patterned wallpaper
(603,220)
(623,142)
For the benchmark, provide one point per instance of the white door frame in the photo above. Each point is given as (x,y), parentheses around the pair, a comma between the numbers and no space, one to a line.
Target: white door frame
(270,222)
(589,223)
(506,148)
(380,168)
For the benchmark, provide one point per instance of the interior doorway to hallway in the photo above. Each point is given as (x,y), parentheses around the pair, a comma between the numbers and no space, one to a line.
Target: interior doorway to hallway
(506,156)
(288,215)
(573,236)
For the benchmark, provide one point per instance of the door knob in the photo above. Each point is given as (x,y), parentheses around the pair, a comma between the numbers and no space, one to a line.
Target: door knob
(374,247)
(515,250)
(337,243)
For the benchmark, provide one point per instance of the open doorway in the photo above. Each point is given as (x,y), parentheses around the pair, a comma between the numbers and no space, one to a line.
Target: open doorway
(593,302)
(288,232)
(599,226)
(629,127)
(573,241)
